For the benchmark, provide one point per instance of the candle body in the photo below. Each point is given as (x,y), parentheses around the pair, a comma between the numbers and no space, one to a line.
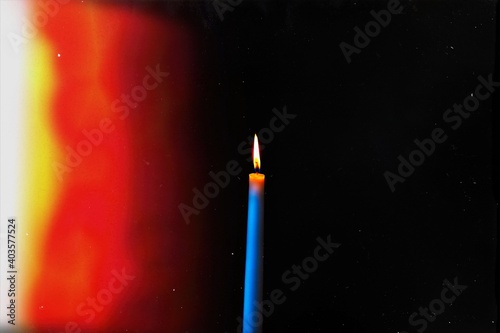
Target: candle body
(252,318)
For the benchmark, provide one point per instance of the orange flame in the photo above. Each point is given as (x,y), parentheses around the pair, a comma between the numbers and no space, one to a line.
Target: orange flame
(256,154)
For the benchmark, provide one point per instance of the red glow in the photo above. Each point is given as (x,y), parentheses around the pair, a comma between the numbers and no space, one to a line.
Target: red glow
(115,208)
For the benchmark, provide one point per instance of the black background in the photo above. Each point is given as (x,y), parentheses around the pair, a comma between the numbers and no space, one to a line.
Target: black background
(325,170)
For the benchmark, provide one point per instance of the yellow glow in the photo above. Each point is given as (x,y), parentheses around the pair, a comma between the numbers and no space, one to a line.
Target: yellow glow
(40,185)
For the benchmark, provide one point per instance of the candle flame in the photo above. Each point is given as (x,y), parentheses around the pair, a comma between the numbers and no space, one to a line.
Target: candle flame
(256,154)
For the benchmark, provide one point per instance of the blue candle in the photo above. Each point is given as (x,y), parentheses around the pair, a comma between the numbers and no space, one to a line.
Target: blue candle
(252,318)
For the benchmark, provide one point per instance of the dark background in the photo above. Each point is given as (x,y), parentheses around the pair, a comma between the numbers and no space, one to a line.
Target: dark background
(324,172)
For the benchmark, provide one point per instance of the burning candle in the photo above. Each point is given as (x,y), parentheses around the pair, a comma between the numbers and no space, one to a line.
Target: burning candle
(252,320)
